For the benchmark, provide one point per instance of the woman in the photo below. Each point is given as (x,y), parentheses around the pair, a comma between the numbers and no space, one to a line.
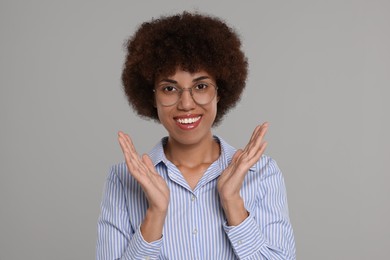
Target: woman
(193,196)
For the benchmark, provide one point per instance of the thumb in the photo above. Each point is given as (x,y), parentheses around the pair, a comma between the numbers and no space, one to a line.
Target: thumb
(236,155)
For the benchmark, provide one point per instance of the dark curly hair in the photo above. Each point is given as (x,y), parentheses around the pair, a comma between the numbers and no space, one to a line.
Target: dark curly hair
(192,42)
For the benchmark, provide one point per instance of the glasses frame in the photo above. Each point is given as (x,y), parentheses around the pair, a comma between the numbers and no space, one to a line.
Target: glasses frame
(181,90)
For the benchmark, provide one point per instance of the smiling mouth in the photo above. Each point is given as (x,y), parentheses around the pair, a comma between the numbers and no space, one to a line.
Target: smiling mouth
(188,120)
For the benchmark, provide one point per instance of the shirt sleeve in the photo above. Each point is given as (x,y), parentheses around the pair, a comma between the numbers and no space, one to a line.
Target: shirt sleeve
(117,239)
(267,232)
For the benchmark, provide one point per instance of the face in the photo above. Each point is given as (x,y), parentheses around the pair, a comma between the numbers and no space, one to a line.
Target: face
(186,121)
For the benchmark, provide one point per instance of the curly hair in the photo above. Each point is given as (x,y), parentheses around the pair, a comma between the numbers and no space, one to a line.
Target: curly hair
(191,42)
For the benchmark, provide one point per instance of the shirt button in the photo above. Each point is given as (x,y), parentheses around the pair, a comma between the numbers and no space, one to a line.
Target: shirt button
(193,198)
(147,257)
(195,231)
(239,242)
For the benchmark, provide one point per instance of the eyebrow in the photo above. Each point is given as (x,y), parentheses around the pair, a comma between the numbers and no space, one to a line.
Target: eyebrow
(194,80)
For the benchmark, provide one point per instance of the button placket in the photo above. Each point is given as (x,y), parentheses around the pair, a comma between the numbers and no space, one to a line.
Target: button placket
(194,224)
(193,206)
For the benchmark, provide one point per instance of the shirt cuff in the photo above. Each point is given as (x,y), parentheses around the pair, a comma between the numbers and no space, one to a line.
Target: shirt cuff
(141,249)
(246,238)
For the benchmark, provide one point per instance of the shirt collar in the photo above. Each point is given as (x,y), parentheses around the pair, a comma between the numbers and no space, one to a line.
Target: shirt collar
(157,154)
(227,152)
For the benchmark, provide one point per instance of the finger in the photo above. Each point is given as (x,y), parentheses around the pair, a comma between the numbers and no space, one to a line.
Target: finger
(245,163)
(251,159)
(260,132)
(260,151)
(131,156)
(123,145)
(237,155)
(133,161)
(130,148)
(243,160)
(153,175)
(130,162)
(259,138)
(233,164)
(149,164)
(257,154)
(264,128)
(127,140)
(256,140)
(256,133)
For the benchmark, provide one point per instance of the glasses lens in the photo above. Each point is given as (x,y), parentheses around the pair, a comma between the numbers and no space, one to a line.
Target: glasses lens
(201,92)
(167,95)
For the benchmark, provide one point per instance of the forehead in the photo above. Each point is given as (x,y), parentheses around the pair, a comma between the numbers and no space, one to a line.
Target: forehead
(182,76)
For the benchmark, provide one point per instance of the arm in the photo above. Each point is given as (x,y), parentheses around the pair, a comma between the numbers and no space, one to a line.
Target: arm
(117,238)
(231,179)
(267,232)
(146,241)
(249,239)
(154,186)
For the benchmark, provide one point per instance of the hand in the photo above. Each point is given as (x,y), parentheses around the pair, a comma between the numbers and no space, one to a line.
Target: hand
(231,179)
(153,185)
(142,169)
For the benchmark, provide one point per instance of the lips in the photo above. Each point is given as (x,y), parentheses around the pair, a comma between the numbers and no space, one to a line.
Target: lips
(188,122)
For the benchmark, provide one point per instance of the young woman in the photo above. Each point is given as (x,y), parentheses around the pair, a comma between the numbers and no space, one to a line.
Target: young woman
(193,196)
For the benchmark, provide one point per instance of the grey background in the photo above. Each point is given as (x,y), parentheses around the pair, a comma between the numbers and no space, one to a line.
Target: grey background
(319,73)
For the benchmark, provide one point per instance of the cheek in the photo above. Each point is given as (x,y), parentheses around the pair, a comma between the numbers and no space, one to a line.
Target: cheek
(160,114)
(213,109)
(163,114)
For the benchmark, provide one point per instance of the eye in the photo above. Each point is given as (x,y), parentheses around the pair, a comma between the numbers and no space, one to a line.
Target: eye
(200,87)
(168,89)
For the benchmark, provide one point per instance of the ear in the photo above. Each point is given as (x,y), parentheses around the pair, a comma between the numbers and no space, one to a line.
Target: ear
(218,98)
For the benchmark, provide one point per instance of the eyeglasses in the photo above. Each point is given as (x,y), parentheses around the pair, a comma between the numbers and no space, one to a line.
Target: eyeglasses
(202,93)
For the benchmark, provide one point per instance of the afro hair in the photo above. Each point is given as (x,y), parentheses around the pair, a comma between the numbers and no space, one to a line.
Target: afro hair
(191,42)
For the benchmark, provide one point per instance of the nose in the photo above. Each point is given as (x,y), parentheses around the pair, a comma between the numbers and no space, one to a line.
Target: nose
(186,102)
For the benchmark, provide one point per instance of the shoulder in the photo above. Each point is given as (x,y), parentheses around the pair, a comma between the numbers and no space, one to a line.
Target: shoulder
(119,174)
(267,172)
(267,166)
(121,183)
(118,170)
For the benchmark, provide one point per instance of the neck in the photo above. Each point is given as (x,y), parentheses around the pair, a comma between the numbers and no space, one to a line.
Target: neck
(192,155)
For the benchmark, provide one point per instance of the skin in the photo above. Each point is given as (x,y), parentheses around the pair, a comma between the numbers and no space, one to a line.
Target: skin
(192,151)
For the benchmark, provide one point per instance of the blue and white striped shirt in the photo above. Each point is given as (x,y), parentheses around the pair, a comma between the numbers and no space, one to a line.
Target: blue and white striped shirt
(195,225)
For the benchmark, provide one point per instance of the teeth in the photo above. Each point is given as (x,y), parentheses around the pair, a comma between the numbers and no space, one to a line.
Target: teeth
(188,120)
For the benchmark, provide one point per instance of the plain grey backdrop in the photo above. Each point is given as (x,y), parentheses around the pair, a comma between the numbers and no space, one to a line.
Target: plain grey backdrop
(319,74)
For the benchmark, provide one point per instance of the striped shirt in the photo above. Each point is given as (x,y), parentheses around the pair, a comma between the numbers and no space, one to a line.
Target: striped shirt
(195,226)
